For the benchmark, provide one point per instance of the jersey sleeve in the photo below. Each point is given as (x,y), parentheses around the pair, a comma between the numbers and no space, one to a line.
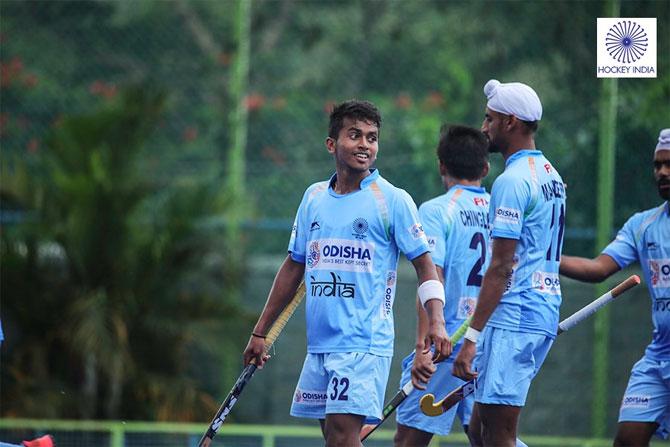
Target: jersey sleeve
(434,227)
(623,248)
(406,227)
(510,197)
(298,241)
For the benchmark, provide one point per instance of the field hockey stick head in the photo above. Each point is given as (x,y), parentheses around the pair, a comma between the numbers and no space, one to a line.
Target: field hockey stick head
(428,407)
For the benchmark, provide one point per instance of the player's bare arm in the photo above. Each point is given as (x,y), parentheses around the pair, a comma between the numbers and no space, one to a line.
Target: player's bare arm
(493,287)
(436,333)
(423,366)
(591,270)
(285,284)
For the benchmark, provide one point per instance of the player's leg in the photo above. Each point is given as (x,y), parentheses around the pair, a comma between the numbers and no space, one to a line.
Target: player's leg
(469,414)
(636,434)
(415,428)
(411,437)
(355,394)
(499,423)
(507,362)
(645,407)
(342,430)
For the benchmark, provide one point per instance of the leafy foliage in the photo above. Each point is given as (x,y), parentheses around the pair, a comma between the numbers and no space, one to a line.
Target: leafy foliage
(113,286)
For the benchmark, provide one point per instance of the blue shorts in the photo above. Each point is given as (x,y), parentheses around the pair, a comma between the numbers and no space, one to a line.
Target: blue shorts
(441,383)
(342,382)
(507,362)
(647,397)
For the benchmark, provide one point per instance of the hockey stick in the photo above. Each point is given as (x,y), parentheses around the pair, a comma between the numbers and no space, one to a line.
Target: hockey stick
(432,408)
(249,370)
(407,388)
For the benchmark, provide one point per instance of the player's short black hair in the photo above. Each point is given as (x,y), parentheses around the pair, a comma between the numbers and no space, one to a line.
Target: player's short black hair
(354,109)
(464,151)
(531,125)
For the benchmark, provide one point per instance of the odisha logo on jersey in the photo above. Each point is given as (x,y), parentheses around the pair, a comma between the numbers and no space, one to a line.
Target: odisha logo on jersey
(360,227)
(346,252)
(659,272)
(637,401)
(313,256)
(547,282)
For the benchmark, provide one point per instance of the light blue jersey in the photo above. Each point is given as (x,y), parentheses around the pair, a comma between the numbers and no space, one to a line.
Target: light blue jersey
(350,245)
(528,204)
(646,238)
(457,228)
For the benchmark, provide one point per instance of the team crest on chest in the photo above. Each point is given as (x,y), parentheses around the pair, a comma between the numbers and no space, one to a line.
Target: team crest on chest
(360,228)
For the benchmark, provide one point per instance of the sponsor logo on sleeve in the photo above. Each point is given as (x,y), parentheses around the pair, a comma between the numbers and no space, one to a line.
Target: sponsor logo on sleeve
(635,401)
(466,307)
(659,273)
(389,294)
(432,242)
(508,215)
(416,231)
(341,254)
(309,397)
(548,283)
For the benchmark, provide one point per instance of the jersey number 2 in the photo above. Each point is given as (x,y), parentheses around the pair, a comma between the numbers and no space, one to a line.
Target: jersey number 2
(475,277)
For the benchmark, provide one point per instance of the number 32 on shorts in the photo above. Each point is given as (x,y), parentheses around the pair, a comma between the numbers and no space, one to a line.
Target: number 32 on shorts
(340,388)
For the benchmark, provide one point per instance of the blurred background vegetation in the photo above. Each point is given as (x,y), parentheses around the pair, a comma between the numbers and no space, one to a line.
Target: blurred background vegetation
(133,267)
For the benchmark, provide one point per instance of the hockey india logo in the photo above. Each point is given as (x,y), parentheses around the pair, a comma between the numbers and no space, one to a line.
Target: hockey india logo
(360,227)
(626,41)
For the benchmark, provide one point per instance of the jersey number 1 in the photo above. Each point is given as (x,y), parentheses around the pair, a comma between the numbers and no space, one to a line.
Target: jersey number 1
(559,227)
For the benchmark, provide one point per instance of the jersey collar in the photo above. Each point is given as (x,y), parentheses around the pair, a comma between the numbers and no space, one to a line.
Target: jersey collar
(374,175)
(522,153)
(469,188)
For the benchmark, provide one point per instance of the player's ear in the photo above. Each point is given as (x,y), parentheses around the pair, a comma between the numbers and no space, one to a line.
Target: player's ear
(511,121)
(487,168)
(443,168)
(330,145)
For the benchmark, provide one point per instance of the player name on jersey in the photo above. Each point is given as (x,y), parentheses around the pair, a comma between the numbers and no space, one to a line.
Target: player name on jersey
(471,218)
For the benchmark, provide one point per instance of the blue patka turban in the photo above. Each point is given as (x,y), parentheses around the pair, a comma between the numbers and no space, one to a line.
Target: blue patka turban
(513,98)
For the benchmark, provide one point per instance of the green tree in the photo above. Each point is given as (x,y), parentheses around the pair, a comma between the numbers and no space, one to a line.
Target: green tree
(114,286)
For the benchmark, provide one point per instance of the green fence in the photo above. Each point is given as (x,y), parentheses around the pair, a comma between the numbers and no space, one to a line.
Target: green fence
(168,434)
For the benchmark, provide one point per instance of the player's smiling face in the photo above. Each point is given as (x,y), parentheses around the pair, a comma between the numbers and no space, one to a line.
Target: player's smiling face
(662,173)
(356,146)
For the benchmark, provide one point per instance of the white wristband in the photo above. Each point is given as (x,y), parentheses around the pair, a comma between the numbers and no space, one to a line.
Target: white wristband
(472,335)
(431,290)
